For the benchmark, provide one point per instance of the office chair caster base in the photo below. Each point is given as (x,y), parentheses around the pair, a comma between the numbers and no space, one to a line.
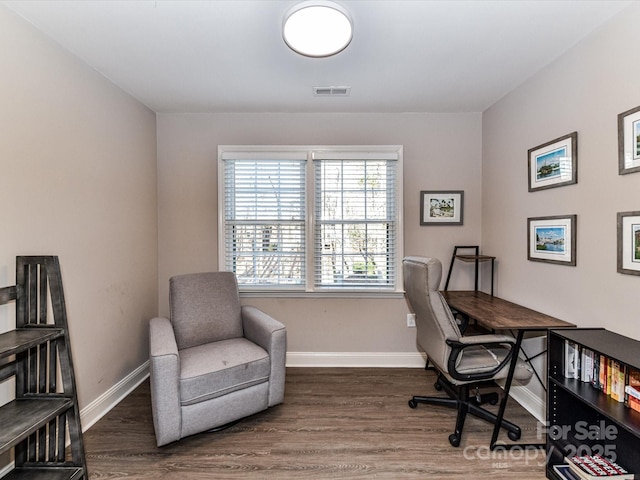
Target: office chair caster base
(514,435)
(490,398)
(437,385)
(413,403)
(454,440)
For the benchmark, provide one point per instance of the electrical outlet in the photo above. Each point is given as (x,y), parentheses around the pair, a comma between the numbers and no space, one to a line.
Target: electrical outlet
(411,319)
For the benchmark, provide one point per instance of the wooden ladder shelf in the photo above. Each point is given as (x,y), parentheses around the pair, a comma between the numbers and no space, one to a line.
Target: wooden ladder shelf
(38,355)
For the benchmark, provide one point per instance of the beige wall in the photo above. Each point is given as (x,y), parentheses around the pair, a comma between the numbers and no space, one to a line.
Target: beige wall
(440,152)
(582,91)
(78,180)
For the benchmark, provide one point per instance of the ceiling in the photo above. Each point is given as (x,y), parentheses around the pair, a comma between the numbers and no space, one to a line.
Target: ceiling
(229,56)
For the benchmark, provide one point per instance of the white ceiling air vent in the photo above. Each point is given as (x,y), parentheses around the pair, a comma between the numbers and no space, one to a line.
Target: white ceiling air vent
(331,91)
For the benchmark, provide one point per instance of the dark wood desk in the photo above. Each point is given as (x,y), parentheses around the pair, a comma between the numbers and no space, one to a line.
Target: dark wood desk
(495,313)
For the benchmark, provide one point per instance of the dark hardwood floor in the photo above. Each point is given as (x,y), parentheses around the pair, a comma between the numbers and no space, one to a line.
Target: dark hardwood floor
(349,423)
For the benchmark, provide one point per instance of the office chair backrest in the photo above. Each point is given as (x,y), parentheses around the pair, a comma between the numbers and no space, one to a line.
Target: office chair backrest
(204,308)
(434,320)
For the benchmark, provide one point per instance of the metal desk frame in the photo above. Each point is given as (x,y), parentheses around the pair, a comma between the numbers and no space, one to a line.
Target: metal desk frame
(476,257)
(494,314)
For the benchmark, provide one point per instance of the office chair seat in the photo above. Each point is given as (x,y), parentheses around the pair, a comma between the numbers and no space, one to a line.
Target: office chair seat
(479,359)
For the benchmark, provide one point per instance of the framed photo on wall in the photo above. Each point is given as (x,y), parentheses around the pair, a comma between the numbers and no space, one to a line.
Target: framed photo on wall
(629,243)
(552,239)
(554,164)
(441,207)
(629,141)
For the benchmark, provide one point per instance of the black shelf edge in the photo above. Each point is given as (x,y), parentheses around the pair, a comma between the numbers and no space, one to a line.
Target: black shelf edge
(617,412)
(473,258)
(551,473)
(48,473)
(21,339)
(19,418)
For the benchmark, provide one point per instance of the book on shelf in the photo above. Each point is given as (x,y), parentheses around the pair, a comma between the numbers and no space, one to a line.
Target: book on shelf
(617,381)
(595,381)
(632,387)
(602,375)
(571,359)
(565,473)
(586,365)
(592,467)
(632,390)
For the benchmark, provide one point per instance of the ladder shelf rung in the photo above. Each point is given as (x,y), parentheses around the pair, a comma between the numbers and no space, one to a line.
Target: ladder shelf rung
(21,339)
(21,417)
(46,473)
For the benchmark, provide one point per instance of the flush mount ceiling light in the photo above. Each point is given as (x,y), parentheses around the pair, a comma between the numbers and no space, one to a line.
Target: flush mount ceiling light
(317,28)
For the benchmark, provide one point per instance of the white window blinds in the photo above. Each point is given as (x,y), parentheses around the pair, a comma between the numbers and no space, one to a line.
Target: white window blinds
(356,219)
(264,217)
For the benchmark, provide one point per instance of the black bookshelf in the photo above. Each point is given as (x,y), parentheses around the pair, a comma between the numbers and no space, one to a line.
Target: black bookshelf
(581,419)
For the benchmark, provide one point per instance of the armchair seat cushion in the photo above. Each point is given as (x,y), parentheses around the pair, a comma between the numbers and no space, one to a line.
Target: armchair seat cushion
(215,369)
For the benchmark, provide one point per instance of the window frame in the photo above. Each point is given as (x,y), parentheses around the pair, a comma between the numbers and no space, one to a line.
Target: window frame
(309,289)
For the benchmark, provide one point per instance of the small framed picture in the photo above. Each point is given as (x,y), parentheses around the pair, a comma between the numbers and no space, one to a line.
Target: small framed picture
(629,141)
(554,164)
(441,207)
(629,243)
(552,239)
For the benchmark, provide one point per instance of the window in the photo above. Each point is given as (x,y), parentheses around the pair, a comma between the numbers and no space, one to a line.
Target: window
(311,219)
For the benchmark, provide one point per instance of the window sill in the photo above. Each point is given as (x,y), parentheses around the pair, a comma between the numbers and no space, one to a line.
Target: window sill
(325,294)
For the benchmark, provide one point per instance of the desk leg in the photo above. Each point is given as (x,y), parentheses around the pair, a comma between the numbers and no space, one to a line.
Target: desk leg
(503,404)
(492,267)
(476,275)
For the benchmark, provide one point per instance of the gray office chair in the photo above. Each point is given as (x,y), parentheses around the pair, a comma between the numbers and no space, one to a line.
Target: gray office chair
(460,361)
(215,361)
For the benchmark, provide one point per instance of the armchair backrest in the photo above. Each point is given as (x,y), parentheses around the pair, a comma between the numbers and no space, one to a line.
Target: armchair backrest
(204,308)
(434,321)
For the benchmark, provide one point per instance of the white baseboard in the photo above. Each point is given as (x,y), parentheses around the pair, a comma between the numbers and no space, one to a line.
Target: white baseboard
(529,401)
(356,359)
(109,399)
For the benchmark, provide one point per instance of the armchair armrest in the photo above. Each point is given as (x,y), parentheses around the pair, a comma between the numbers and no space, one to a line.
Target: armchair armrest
(271,335)
(458,346)
(164,365)
(162,340)
(260,327)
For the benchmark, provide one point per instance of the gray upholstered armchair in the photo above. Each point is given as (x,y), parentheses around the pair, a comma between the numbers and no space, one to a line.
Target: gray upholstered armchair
(460,361)
(215,361)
